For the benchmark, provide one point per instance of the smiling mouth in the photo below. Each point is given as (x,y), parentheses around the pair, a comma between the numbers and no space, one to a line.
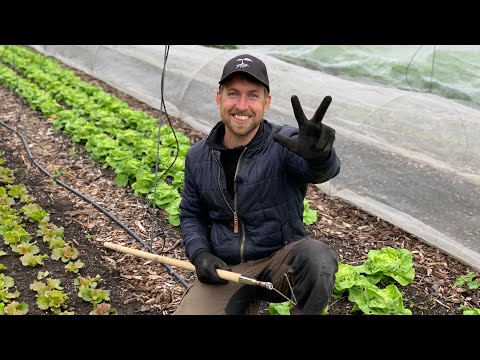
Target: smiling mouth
(241,117)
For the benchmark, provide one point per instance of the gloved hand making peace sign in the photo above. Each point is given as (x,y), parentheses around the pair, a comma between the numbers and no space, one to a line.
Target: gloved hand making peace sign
(315,139)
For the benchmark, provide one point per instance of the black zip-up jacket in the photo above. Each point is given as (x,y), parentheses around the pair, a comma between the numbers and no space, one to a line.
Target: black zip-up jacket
(266,211)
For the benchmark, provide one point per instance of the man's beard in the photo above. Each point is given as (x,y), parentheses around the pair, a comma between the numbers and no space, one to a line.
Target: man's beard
(241,130)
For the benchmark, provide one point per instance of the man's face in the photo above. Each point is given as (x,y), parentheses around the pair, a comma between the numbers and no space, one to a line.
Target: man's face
(242,104)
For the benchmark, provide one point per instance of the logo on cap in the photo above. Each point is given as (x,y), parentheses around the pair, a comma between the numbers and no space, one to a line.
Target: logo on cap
(242,64)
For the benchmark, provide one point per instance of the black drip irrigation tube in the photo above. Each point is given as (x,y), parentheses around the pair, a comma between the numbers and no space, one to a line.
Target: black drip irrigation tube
(98,207)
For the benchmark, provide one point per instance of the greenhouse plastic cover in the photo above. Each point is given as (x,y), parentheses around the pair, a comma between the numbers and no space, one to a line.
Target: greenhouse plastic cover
(412,159)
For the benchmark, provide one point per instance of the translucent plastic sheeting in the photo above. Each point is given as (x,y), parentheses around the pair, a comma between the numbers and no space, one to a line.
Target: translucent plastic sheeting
(410,158)
(450,71)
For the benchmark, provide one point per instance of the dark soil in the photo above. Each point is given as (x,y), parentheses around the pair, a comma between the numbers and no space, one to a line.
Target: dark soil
(140,287)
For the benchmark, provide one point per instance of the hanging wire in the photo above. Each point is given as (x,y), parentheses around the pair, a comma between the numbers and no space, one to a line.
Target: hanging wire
(433,66)
(163,109)
(408,67)
(431,72)
(152,213)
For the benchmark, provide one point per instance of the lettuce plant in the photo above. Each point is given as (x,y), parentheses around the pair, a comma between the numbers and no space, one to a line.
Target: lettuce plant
(50,295)
(468,281)
(282,308)
(65,253)
(309,215)
(74,266)
(469,311)
(103,309)
(87,289)
(13,308)
(34,213)
(33,260)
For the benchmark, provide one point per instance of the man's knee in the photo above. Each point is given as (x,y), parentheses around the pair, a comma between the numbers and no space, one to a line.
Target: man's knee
(314,254)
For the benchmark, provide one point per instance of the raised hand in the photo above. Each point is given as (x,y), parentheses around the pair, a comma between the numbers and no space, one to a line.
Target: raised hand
(315,139)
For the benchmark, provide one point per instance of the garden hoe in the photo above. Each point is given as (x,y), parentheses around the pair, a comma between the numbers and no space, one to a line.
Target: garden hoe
(187,265)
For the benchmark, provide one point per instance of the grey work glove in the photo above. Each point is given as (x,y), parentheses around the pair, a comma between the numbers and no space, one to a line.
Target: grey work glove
(315,140)
(206,264)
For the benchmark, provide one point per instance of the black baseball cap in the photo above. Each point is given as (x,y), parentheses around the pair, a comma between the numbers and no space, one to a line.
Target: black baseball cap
(248,64)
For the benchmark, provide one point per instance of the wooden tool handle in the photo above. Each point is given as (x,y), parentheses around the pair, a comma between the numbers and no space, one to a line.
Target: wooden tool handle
(187,265)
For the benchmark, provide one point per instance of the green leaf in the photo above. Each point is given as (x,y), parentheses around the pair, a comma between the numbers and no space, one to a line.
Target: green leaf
(280,308)
(15,308)
(309,215)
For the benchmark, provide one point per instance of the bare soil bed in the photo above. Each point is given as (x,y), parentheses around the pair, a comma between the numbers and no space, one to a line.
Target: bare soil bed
(140,287)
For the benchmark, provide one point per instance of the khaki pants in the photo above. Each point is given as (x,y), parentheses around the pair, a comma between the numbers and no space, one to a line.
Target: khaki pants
(309,264)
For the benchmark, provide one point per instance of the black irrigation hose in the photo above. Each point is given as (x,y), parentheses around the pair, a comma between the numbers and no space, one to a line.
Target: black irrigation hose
(98,207)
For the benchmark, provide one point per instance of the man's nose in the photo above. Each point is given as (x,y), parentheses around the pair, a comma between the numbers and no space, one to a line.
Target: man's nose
(242,103)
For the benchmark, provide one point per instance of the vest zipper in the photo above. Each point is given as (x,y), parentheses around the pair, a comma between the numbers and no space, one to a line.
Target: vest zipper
(236,220)
(235,215)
